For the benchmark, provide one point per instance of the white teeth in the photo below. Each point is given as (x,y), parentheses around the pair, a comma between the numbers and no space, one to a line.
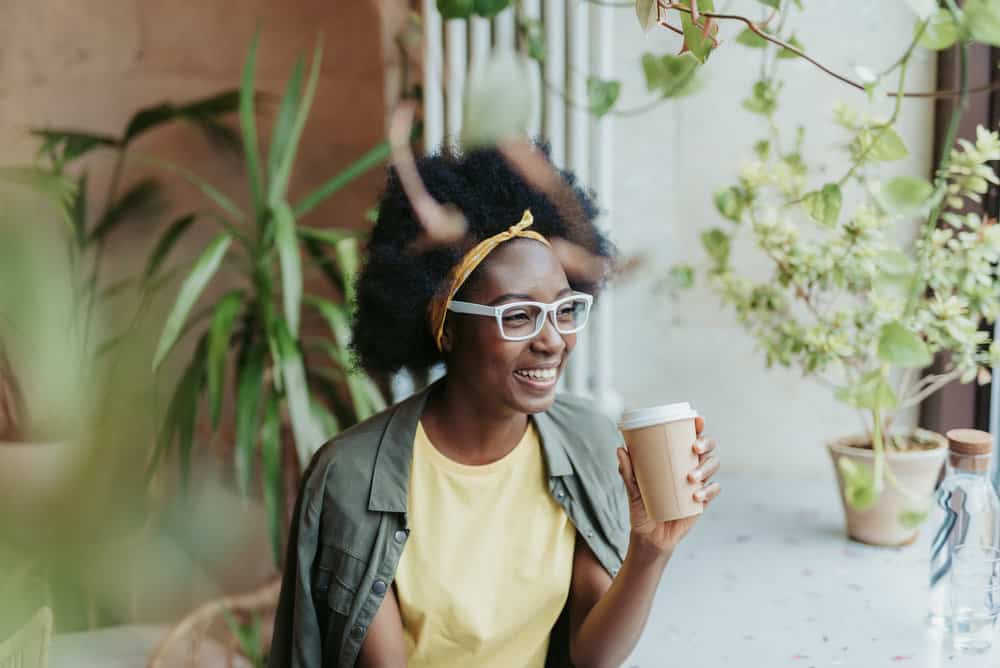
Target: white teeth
(537,374)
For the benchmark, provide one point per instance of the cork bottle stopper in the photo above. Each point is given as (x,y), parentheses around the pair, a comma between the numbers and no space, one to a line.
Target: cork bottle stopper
(969,449)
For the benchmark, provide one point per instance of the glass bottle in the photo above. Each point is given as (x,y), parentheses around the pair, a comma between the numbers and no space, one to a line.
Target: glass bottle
(968,513)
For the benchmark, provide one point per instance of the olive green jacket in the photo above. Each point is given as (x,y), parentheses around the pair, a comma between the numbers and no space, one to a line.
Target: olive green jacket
(350,526)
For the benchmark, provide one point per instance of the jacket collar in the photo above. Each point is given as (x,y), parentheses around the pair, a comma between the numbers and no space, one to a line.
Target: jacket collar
(391,480)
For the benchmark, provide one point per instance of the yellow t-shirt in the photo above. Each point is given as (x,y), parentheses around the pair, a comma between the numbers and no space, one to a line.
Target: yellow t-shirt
(487,567)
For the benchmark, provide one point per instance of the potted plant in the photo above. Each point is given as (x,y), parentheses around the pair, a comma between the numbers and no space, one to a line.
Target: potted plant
(845,301)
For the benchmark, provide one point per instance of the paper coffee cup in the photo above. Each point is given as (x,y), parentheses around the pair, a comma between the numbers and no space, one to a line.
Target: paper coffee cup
(659,441)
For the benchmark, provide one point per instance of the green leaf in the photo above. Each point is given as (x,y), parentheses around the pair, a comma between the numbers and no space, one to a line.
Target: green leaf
(247,636)
(763,98)
(859,483)
(729,202)
(166,243)
(249,387)
(291,264)
(534,34)
(906,196)
(285,124)
(751,39)
(888,145)
(602,95)
(490,8)
(941,31)
(645,12)
(331,237)
(219,333)
(498,100)
(197,111)
(900,347)
(201,273)
(181,416)
(337,319)
(872,392)
(279,184)
(270,438)
(248,125)
(911,519)
(681,277)
(64,146)
(791,41)
(770,3)
(142,199)
(201,184)
(699,43)
(78,214)
(349,261)
(59,189)
(896,275)
(982,18)
(362,165)
(308,438)
(456,9)
(671,76)
(823,206)
(716,244)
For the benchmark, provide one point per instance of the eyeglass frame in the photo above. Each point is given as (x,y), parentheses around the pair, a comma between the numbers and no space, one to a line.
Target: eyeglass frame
(471,308)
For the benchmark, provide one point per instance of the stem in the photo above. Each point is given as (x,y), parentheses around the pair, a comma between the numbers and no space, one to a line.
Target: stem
(879,449)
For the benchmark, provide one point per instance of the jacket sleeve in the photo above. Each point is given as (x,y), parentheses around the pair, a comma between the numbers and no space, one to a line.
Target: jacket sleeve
(298,639)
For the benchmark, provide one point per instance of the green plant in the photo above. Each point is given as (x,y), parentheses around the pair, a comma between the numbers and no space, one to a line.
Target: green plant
(260,322)
(846,301)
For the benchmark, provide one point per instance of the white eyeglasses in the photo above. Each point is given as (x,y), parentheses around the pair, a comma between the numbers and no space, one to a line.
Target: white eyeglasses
(520,321)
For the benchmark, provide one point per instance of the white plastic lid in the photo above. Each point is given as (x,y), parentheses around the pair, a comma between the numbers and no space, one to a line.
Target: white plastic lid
(647,417)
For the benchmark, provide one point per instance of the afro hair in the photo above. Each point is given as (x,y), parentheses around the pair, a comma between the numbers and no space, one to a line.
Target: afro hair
(396,283)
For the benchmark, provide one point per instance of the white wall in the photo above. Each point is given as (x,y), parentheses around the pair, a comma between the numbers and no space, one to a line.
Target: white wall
(669,162)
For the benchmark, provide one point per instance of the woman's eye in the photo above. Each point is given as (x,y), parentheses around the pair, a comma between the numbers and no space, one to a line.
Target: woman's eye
(516,318)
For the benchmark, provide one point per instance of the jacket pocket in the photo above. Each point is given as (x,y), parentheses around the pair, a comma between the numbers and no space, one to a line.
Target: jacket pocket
(338,576)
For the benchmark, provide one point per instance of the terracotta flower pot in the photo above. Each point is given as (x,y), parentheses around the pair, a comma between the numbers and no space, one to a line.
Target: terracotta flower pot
(917,470)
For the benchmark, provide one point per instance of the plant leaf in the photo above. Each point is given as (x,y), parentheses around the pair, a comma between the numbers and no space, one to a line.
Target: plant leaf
(60,189)
(911,519)
(888,146)
(716,244)
(729,203)
(872,392)
(645,11)
(751,39)
(941,31)
(349,261)
(456,9)
(64,146)
(78,212)
(498,101)
(329,236)
(900,347)
(153,117)
(906,196)
(270,438)
(490,8)
(279,184)
(220,331)
(308,438)
(602,95)
(681,277)
(859,483)
(823,205)
(369,160)
(201,184)
(249,387)
(696,38)
(166,243)
(142,199)
(770,3)
(291,264)
(201,273)
(982,18)
(671,76)
(785,54)
(285,124)
(248,126)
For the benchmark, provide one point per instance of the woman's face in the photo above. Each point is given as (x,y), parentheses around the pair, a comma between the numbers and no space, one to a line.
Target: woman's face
(498,370)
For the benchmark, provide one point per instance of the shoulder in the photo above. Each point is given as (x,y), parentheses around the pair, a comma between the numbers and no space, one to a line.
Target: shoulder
(583,420)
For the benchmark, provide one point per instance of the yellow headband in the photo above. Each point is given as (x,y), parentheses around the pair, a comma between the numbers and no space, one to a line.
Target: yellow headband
(471,260)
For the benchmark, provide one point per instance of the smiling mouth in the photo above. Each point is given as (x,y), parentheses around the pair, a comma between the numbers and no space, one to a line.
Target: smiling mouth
(539,377)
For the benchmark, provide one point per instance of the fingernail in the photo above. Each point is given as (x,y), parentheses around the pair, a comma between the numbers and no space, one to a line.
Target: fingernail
(699,496)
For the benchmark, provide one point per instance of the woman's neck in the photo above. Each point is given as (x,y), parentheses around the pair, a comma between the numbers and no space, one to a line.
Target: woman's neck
(467,427)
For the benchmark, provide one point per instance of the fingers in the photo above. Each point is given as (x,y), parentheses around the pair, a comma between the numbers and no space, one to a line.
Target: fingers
(707,493)
(704,445)
(699,425)
(708,467)
(628,476)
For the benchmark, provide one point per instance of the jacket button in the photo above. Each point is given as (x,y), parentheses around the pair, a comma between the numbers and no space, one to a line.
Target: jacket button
(560,494)
(590,534)
(357,631)
(400,536)
(379,587)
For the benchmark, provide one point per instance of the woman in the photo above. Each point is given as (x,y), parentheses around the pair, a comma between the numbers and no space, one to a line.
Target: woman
(480,522)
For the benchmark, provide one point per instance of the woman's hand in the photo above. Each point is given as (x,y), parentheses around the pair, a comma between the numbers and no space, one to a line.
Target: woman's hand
(663,537)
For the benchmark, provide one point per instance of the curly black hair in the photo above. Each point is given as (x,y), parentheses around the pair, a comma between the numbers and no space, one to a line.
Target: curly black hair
(396,283)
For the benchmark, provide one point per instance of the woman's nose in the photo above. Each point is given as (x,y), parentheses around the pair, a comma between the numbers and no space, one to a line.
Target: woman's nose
(549,339)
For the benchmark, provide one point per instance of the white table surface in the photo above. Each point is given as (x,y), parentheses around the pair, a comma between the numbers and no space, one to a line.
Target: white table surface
(768,579)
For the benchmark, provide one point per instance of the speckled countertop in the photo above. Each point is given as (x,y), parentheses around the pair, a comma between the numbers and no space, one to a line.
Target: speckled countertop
(767,579)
